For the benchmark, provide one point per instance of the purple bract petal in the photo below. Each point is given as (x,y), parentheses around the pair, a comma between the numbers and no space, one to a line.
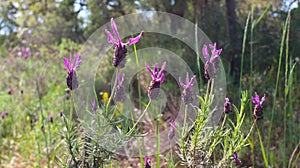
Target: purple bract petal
(134,40)
(189,83)
(180,82)
(263,99)
(110,38)
(162,69)
(150,70)
(67,64)
(205,53)
(256,99)
(115,29)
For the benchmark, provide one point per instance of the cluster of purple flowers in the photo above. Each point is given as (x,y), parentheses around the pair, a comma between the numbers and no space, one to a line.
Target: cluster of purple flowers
(258,108)
(24,52)
(211,68)
(257,113)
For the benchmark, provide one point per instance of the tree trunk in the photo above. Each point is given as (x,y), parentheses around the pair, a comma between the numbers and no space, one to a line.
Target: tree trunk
(232,35)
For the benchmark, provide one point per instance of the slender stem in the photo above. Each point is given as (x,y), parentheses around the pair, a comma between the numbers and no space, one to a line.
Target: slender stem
(184,120)
(277,83)
(224,120)
(286,88)
(251,66)
(207,90)
(243,52)
(112,92)
(141,116)
(254,123)
(211,87)
(262,148)
(197,53)
(157,142)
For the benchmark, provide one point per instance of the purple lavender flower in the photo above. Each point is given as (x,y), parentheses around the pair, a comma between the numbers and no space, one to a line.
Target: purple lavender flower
(171,133)
(9,91)
(61,113)
(4,113)
(227,106)
(120,48)
(120,91)
(237,161)
(43,128)
(212,62)
(72,79)
(9,49)
(147,163)
(258,109)
(51,118)
(187,95)
(157,79)
(67,95)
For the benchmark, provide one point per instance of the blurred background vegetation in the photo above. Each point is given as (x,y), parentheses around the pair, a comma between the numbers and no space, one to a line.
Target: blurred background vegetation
(54,29)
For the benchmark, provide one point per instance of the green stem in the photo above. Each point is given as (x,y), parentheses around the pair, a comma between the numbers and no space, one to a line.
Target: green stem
(141,116)
(207,90)
(262,148)
(224,120)
(286,88)
(197,53)
(276,85)
(243,51)
(112,92)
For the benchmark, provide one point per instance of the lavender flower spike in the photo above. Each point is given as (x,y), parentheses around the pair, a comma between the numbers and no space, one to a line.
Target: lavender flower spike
(258,109)
(237,161)
(51,118)
(120,92)
(147,163)
(187,95)
(212,62)
(120,48)
(71,65)
(227,106)
(157,79)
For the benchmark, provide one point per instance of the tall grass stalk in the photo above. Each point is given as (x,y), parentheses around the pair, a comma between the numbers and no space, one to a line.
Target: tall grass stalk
(254,23)
(286,87)
(138,120)
(197,54)
(284,31)
(263,152)
(140,98)
(243,51)
(251,67)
